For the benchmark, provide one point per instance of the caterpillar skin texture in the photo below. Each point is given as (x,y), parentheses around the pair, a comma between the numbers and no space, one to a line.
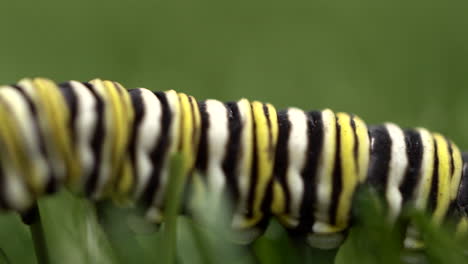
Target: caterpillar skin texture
(303,168)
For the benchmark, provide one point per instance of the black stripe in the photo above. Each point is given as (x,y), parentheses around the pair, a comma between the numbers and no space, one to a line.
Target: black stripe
(202,156)
(452,165)
(160,152)
(267,198)
(182,125)
(381,146)
(453,203)
(337,186)
(52,184)
(435,181)
(414,152)
(315,133)
(271,145)
(195,127)
(96,142)
(356,144)
(72,102)
(254,169)
(139,113)
(232,158)
(282,156)
(118,87)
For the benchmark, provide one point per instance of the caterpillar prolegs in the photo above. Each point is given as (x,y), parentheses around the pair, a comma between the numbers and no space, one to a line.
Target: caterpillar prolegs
(304,168)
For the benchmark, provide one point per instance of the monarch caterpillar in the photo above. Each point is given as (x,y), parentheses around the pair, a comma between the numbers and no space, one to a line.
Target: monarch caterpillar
(303,168)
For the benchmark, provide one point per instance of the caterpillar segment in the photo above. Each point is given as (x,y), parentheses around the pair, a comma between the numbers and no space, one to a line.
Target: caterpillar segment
(303,168)
(214,138)
(461,204)
(86,130)
(152,122)
(414,168)
(15,192)
(237,150)
(168,144)
(308,168)
(23,143)
(216,159)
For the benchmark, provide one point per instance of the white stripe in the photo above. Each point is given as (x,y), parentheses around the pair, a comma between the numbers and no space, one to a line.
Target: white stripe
(85,127)
(427,168)
(149,131)
(325,168)
(16,194)
(217,139)
(244,166)
(297,147)
(246,150)
(396,170)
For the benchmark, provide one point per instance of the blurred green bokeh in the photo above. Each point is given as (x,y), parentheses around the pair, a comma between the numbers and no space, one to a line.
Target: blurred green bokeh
(404,61)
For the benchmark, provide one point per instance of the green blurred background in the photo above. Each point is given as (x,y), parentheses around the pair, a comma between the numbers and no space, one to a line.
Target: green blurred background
(400,61)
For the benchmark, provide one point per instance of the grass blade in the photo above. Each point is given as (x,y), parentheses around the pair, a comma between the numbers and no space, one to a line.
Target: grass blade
(175,188)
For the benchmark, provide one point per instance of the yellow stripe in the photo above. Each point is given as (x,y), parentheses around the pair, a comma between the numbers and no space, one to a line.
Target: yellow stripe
(14,150)
(278,199)
(278,205)
(363,148)
(457,171)
(266,146)
(443,195)
(125,172)
(56,114)
(125,182)
(119,126)
(186,129)
(196,125)
(348,170)
(427,169)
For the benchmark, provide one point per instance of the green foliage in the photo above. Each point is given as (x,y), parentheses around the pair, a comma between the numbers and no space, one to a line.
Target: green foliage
(102,233)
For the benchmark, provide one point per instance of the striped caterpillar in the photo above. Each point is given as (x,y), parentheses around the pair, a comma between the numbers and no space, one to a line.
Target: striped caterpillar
(303,168)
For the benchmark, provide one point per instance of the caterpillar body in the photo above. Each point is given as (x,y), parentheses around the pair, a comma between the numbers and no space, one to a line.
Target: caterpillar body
(104,141)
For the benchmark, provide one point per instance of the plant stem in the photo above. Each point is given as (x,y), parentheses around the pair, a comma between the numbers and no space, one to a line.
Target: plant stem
(175,187)
(38,236)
